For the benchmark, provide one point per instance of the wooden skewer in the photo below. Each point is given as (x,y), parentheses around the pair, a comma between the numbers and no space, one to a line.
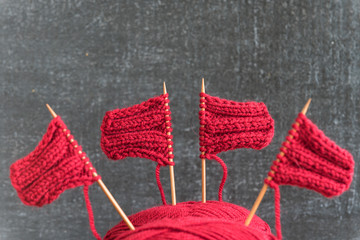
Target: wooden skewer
(203,161)
(171,168)
(53,114)
(105,189)
(265,187)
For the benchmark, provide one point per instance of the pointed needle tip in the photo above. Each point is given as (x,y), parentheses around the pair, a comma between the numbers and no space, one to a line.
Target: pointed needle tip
(51,111)
(202,85)
(306,107)
(164,85)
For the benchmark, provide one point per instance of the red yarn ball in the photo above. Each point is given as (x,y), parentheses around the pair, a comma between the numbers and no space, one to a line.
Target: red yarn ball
(193,220)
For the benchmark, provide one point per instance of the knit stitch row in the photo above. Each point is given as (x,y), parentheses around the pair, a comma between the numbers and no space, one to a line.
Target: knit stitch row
(142,130)
(227,125)
(310,160)
(57,163)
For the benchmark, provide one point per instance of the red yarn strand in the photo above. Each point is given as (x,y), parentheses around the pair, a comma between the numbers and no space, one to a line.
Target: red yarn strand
(277,211)
(223,180)
(157,176)
(90,213)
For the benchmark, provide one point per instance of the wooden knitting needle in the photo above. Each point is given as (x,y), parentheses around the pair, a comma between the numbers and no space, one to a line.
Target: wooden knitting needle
(105,189)
(171,168)
(264,188)
(203,161)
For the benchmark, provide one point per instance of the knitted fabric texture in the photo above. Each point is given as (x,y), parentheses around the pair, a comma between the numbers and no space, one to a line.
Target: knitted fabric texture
(143,131)
(192,220)
(227,125)
(310,160)
(57,164)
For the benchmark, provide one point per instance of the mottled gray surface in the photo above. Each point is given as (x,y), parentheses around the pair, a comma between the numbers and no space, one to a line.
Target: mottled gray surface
(87,57)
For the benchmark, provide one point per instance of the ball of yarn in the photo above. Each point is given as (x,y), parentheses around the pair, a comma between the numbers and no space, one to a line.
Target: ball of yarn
(193,220)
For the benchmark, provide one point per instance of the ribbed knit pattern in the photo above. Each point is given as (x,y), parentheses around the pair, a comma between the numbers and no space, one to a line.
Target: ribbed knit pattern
(310,160)
(313,161)
(140,131)
(227,125)
(57,164)
(54,166)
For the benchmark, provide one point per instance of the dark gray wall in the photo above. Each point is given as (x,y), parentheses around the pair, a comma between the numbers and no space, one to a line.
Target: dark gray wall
(87,57)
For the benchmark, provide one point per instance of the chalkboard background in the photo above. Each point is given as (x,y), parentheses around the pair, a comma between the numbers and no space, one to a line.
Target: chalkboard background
(87,57)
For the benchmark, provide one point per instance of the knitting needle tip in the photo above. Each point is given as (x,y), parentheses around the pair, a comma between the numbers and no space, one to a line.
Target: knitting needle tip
(304,110)
(164,88)
(51,111)
(202,85)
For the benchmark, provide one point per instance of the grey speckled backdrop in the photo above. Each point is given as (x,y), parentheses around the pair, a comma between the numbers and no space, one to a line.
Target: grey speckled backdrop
(87,57)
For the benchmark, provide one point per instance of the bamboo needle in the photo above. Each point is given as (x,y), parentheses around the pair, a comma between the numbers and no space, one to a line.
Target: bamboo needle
(265,187)
(203,161)
(104,188)
(171,168)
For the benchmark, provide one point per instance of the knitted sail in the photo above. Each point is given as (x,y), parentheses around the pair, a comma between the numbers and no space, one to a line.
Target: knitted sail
(142,130)
(311,160)
(227,125)
(57,163)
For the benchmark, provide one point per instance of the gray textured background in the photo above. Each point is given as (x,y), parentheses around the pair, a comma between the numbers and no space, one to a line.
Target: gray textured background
(87,57)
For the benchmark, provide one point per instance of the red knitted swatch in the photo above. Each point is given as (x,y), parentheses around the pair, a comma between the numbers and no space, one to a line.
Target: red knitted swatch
(140,131)
(57,164)
(311,160)
(229,125)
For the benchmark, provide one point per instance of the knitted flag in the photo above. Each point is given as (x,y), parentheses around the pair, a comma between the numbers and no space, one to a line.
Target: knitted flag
(227,125)
(311,160)
(142,130)
(57,164)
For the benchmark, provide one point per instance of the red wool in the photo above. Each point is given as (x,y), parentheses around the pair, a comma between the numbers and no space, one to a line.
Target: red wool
(311,160)
(193,220)
(140,131)
(57,164)
(228,125)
